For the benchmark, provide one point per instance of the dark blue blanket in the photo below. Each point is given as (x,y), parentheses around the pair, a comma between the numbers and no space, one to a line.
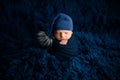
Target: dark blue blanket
(96,27)
(65,51)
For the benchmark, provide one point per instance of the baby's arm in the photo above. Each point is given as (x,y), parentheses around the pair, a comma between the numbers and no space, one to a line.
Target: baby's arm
(44,40)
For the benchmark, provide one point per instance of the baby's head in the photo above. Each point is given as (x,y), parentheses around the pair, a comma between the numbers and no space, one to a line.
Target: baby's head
(62,28)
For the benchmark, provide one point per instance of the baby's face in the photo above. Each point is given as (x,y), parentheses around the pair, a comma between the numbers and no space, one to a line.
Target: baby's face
(63,35)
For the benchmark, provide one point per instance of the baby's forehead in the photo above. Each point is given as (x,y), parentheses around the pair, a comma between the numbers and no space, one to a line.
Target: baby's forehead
(63,31)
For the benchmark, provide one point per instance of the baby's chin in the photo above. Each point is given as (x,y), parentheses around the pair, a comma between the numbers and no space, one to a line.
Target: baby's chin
(63,42)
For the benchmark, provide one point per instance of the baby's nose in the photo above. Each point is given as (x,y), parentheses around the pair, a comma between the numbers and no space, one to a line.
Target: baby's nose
(62,35)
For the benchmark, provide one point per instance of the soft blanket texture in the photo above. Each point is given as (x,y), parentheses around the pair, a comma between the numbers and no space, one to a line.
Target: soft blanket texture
(96,26)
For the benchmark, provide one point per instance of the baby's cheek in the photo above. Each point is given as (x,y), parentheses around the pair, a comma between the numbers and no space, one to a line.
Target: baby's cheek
(69,37)
(58,38)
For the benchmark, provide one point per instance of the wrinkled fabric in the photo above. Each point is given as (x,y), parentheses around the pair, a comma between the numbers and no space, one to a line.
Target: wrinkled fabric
(65,51)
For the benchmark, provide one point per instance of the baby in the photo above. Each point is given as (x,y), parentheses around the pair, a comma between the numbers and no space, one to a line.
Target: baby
(63,43)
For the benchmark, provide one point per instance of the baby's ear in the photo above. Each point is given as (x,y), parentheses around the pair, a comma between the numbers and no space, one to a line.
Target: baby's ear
(72,32)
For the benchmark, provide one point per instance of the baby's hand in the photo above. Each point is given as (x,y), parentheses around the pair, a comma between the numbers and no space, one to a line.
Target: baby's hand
(63,42)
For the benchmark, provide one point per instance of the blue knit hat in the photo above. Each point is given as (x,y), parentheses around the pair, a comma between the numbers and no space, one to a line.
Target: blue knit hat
(62,22)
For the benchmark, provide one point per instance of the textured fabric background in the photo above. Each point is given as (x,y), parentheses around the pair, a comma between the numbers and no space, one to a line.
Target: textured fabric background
(96,26)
